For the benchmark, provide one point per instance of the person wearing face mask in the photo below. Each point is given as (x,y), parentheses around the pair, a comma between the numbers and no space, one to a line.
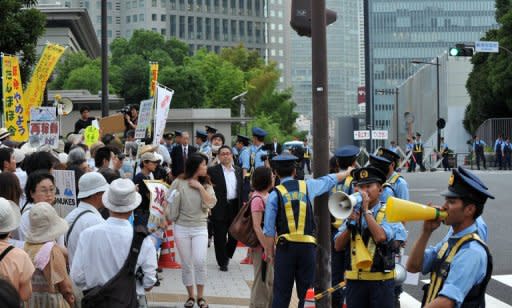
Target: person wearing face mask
(217,142)
(369,286)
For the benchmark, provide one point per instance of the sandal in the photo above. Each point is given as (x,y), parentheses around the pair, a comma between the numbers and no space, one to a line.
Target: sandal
(190,302)
(201,302)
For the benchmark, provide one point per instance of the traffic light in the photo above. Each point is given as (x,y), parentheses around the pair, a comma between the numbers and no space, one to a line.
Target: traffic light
(301,17)
(461,50)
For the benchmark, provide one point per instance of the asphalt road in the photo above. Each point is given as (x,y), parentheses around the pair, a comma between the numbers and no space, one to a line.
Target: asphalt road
(426,187)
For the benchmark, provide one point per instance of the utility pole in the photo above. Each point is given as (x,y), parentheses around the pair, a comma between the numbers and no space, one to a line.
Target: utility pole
(321,147)
(104,60)
(368,73)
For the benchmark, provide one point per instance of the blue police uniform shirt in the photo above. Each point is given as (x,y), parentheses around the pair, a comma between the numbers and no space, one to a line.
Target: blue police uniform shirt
(400,189)
(348,189)
(234,150)
(506,145)
(394,231)
(315,187)
(205,148)
(444,146)
(481,228)
(258,153)
(479,142)
(394,149)
(245,158)
(467,269)
(498,144)
(409,147)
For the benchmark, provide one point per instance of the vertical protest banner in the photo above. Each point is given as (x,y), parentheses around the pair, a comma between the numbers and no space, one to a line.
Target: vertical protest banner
(44,127)
(153,77)
(157,191)
(14,105)
(65,197)
(163,103)
(144,122)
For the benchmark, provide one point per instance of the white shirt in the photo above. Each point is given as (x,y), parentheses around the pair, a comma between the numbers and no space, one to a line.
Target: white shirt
(85,221)
(229,175)
(184,150)
(103,249)
(25,226)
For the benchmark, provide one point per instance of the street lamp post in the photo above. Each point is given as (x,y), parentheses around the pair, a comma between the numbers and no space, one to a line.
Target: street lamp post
(394,92)
(438,96)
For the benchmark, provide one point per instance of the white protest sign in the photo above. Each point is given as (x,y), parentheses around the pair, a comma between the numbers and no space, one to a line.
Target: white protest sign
(146,106)
(361,135)
(163,103)
(380,134)
(65,198)
(157,191)
(44,127)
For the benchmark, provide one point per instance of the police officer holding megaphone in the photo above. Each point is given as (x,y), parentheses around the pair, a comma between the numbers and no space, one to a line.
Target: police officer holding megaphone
(460,265)
(367,239)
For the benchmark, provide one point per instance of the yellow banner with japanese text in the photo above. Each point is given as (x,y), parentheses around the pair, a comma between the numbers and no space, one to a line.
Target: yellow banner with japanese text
(44,68)
(153,75)
(15,117)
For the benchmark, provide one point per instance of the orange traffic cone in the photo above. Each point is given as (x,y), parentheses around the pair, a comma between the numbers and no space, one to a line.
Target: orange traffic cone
(168,254)
(310,299)
(248,258)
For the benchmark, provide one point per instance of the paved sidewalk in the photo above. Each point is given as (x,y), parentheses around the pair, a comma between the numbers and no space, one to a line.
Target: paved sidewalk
(223,289)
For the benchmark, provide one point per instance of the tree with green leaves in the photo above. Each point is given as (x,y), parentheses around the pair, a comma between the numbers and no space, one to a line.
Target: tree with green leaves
(490,83)
(20,28)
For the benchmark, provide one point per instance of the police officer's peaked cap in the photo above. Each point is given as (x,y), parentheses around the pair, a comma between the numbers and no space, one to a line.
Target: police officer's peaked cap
(259,132)
(178,133)
(201,134)
(461,186)
(242,138)
(418,134)
(285,157)
(168,135)
(472,176)
(380,163)
(210,129)
(368,175)
(388,154)
(347,151)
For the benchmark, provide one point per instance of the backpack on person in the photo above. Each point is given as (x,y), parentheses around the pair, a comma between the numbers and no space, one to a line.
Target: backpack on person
(242,229)
(121,290)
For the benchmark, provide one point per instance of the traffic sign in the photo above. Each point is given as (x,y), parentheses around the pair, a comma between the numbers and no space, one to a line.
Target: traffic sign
(361,135)
(487,46)
(380,134)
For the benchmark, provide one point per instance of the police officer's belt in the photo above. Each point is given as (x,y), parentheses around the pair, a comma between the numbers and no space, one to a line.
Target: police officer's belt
(356,275)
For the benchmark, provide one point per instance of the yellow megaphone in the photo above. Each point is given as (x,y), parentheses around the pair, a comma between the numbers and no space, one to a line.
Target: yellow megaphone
(361,254)
(404,210)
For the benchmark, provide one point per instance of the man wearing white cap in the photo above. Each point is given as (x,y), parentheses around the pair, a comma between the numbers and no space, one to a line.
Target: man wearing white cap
(15,264)
(97,261)
(91,187)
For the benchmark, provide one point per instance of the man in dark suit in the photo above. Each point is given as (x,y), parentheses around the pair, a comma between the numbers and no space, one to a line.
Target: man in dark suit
(275,147)
(179,155)
(227,183)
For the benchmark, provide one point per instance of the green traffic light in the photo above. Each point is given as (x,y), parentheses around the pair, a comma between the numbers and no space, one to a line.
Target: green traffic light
(454,51)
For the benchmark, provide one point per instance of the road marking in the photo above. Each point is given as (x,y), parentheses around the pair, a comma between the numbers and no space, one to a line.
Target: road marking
(505,279)
(494,302)
(407,301)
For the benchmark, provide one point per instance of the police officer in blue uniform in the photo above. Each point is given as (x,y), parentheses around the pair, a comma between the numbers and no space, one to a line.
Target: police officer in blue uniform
(201,141)
(289,218)
(461,265)
(244,162)
(367,233)
(346,157)
(395,186)
(258,154)
(210,131)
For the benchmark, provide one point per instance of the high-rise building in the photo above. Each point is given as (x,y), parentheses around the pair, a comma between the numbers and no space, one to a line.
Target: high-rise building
(279,38)
(406,30)
(343,62)
(210,24)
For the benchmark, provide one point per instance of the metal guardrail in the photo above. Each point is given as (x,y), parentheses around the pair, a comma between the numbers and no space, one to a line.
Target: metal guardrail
(491,128)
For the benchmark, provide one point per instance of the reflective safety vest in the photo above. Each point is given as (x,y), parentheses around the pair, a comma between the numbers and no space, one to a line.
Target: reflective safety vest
(418,148)
(383,267)
(307,152)
(295,220)
(345,187)
(441,268)
(391,183)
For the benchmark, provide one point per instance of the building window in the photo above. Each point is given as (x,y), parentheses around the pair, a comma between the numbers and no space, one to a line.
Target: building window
(134,3)
(280,40)
(272,26)
(154,29)
(163,17)
(225,29)
(199,28)
(153,3)
(233,7)
(281,53)
(191,28)
(182,27)
(141,17)
(172,22)
(153,17)
(109,20)
(273,52)
(233,30)
(182,5)
(190,5)
(257,7)
(216,29)
(224,6)
(127,19)
(141,3)
(241,27)
(250,32)
(280,27)
(134,18)
(241,10)
(272,39)
(216,6)
(249,7)
(208,22)
(109,6)
(172,4)
(128,7)
(162,31)
(98,19)
(109,33)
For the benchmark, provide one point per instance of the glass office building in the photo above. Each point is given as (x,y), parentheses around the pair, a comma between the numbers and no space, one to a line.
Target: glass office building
(406,30)
(343,61)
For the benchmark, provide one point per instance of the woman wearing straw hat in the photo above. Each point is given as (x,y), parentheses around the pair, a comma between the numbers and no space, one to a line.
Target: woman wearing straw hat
(15,265)
(51,283)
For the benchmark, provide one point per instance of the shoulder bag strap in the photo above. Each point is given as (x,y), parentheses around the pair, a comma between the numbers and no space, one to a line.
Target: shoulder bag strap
(73,225)
(138,238)
(5,252)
